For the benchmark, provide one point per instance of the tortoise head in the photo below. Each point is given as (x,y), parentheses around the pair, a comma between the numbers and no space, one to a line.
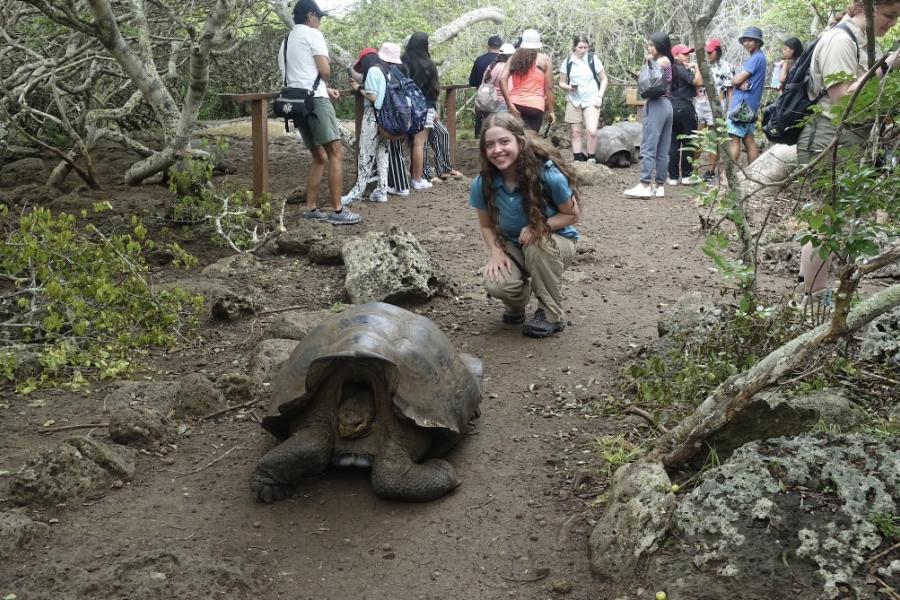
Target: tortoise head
(356,410)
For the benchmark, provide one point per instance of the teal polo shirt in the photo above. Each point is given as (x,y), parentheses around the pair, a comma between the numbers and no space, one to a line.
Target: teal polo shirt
(510,203)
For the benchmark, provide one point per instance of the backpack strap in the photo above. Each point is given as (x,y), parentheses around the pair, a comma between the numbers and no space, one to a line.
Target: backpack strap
(590,59)
(846,29)
(590,62)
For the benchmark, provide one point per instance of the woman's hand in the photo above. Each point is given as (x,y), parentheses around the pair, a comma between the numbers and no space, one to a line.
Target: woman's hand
(498,267)
(598,101)
(511,109)
(527,236)
(551,115)
(335,94)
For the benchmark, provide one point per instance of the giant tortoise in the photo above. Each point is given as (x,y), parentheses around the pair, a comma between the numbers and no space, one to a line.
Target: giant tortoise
(374,386)
(614,147)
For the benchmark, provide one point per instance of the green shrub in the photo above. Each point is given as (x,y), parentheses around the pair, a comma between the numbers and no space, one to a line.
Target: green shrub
(81,299)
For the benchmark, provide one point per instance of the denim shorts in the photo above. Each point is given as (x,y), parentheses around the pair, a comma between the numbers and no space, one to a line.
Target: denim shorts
(740,130)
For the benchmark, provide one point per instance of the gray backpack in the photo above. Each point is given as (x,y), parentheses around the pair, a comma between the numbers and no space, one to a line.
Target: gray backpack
(651,80)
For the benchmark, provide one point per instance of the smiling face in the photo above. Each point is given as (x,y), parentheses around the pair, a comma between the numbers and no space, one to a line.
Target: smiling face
(750,45)
(501,148)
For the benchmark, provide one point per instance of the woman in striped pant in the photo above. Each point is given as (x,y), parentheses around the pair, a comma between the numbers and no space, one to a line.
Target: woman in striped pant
(437,150)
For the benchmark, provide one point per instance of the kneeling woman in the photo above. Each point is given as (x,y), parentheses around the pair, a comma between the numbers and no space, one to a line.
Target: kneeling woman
(526,201)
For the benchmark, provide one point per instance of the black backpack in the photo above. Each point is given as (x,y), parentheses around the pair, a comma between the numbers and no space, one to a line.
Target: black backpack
(783,119)
(590,62)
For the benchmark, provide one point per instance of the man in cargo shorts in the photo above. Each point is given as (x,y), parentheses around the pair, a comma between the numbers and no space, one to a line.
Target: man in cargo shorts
(307,60)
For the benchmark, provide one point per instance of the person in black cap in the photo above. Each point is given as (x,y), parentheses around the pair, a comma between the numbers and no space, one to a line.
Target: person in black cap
(303,60)
(479,67)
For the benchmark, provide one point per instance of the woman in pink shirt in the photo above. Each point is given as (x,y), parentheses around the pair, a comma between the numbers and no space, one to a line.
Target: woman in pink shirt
(526,82)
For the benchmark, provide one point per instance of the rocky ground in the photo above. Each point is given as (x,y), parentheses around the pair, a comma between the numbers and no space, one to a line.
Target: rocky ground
(182,523)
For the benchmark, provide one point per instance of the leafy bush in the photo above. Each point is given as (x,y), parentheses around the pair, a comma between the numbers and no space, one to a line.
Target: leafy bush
(232,214)
(81,300)
(695,364)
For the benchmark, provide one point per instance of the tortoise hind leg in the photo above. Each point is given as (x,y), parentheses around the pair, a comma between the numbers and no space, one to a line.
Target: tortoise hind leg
(396,476)
(307,452)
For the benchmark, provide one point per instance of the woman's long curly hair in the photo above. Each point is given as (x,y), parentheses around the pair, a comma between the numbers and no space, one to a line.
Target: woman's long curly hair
(522,61)
(534,151)
(421,69)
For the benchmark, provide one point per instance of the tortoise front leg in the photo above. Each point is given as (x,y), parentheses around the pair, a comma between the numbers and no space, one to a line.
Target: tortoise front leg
(307,452)
(396,476)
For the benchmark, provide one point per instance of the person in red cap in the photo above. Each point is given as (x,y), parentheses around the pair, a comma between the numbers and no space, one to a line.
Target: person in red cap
(685,79)
(722,73)
(372,162)
(303,60)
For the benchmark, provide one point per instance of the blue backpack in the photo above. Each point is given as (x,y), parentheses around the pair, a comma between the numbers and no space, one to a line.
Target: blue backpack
(404,108)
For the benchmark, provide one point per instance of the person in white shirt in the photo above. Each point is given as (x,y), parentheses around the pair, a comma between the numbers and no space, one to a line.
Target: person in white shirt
(582,75)
(304,64)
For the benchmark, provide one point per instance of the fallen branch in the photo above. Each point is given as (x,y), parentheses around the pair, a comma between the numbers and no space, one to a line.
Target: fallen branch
(684,441)
(71,427)
(634,410)
(281,310)
(206,466)
(227,409)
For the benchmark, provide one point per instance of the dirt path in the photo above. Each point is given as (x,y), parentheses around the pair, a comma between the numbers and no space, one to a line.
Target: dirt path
(518,525)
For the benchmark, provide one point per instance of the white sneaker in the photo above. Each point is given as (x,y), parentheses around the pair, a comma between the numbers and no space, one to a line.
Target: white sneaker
(639,191)
(692,180)
(396,192)
(659,192)
(592,161)
(672,181)
(420,184)
(348,199)
(378,195)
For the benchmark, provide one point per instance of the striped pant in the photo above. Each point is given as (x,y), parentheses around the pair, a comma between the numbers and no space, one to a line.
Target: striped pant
(398,172)
(372,164)
(437,149)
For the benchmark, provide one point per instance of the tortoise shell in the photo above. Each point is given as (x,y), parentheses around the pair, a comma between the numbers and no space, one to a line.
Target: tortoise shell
(431,384)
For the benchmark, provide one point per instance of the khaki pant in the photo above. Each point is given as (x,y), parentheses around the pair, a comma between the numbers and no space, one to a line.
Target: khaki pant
(545,263)
(817,135)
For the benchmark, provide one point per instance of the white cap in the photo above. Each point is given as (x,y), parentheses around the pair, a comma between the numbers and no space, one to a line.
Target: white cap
(507,49)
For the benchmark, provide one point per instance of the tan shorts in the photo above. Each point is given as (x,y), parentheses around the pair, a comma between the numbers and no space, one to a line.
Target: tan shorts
(576,115)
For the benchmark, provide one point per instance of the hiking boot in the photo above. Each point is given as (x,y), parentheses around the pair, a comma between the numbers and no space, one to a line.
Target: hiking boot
(580,156)
(398,193)
(315,214)
(539,327)
(512,316)
(420,184)
(345,217)
(709,176)
(378,196)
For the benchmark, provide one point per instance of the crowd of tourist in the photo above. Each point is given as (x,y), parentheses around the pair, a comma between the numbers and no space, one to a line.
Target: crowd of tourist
(525,194)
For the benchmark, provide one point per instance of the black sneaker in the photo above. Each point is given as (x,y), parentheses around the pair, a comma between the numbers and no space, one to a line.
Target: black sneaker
(539,327)
(513,317)
(580,156)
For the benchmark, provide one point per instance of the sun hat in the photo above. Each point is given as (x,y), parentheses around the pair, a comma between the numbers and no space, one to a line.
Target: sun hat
(752,33)
(390,53)
(304,7)
(362,54)
(531,40)
(681,49)
(495,41)
(507,49)
(713,44)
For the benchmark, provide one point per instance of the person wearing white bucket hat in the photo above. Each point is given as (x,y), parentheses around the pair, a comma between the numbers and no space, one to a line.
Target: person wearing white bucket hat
(526,82)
